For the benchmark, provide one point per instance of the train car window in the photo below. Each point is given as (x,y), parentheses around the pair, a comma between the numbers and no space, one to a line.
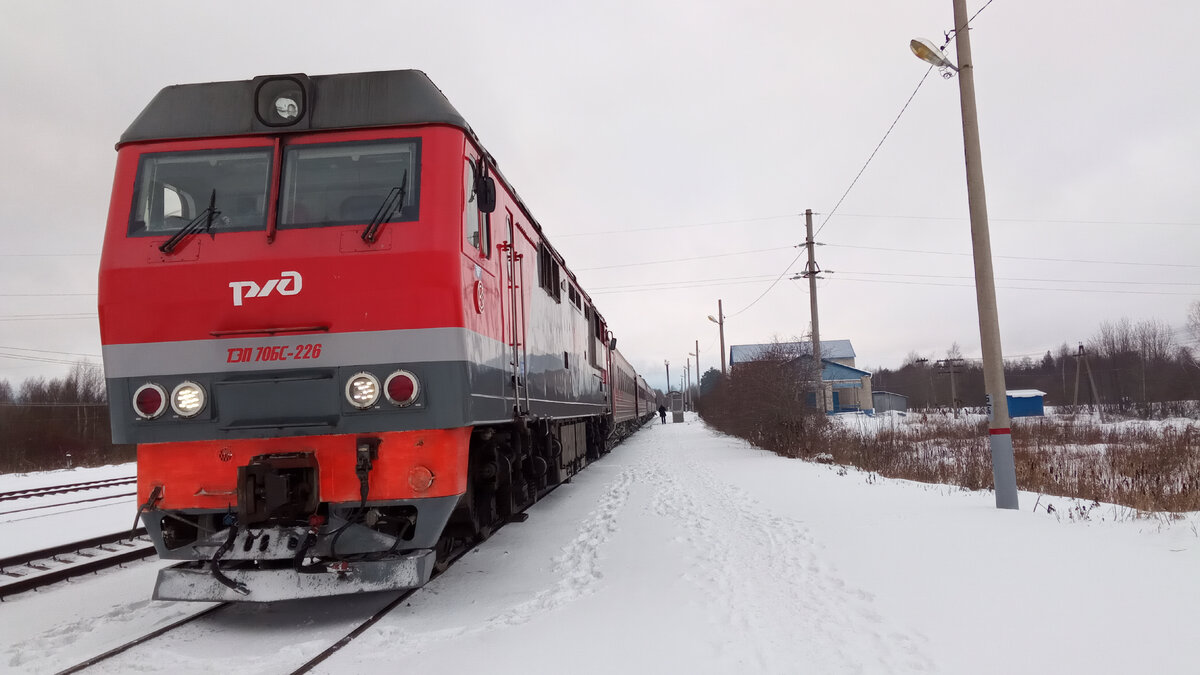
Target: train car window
(172,188)
(347,183)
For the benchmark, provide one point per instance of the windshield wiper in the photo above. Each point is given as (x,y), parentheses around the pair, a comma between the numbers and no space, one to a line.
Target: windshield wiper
(393,203)
(206,217)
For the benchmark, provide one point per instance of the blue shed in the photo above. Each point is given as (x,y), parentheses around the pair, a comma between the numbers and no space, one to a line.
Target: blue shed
(1026,403)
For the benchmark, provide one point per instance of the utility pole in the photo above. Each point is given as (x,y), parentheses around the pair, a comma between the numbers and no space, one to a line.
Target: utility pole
(1004,470)
(1004,474)
(1081,362)
(811,270)
(951,367)
(720,321)
(687,378)
(668,365)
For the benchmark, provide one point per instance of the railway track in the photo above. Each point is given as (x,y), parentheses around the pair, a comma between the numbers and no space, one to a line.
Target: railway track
(33,570)
(66,488)
(358,630)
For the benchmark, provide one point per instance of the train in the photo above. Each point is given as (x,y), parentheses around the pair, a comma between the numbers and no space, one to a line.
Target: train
(342,344)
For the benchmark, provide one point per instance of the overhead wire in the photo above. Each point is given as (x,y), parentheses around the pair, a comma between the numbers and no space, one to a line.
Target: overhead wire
(844,194)
(1106,291)
(673,260)
(1015,257)
(949,38)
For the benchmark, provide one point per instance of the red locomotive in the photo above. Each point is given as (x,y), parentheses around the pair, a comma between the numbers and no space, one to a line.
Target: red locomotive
(339,339)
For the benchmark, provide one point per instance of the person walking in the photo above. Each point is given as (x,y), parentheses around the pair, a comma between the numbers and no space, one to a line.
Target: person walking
(662,413)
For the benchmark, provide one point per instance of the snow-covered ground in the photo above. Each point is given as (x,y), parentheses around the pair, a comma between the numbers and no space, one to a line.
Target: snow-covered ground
(688,551)
(25,528)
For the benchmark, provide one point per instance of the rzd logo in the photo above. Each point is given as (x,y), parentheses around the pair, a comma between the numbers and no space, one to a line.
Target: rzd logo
(289,284)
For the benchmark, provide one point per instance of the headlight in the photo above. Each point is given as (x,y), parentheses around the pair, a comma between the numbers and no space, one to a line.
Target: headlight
(402,388)
(187,400)
(362,390)
(149,401)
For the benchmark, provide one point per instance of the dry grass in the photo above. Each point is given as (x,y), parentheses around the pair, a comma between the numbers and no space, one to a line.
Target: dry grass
(1144,466)
(1149,468)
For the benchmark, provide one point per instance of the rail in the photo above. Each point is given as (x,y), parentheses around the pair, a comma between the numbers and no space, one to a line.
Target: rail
(35,569)
(69,487)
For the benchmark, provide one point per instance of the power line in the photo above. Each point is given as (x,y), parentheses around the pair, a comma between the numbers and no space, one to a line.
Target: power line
(675,227)
(47,351)
(1015,257)
(45,295)
(759,277)
(862,170)
(875,151)
(1107,291)
(686,287)
(1059,221)
(41,317)
(673,260)
(1068,281)
(47,359)
(46,255)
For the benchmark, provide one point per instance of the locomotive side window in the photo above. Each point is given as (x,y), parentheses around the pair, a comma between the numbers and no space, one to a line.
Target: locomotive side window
(471,213)
(477,225)
(548,274)
(172,188)
(348,183)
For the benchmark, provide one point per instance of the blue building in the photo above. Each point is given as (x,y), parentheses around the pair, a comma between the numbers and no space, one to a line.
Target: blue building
(846,388)
(1026,403)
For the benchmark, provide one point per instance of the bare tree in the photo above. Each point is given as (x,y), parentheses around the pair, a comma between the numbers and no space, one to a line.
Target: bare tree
(955,352)
(1155,340)
(1193,321)
(1114,338)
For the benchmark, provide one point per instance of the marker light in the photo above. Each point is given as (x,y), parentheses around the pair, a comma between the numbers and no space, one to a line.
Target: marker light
(362,390)
(402,388)
(149,401)
(420,478)
(187,400)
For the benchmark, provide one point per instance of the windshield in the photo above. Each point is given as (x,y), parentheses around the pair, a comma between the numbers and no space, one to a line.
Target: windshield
(347,183)
(174,187)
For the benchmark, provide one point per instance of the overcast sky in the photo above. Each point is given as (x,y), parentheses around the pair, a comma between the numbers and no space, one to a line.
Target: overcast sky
(669,149)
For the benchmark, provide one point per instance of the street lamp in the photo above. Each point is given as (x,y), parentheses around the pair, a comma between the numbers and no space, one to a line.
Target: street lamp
(927,52)
(668,365)
(1003,467)
(721,323)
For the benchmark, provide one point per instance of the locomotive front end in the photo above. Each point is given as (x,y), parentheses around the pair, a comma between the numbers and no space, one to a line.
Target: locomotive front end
(282,324)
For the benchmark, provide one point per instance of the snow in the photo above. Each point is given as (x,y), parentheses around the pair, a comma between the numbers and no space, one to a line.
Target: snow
(31,530)
(689,551)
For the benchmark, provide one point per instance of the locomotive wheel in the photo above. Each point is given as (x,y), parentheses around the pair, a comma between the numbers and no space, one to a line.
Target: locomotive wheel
(444,552)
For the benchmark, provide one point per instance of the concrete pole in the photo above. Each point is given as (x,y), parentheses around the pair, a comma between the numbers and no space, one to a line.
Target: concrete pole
(811,271)
(668,365)
(721,326)
(687,379)
(1000,435)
